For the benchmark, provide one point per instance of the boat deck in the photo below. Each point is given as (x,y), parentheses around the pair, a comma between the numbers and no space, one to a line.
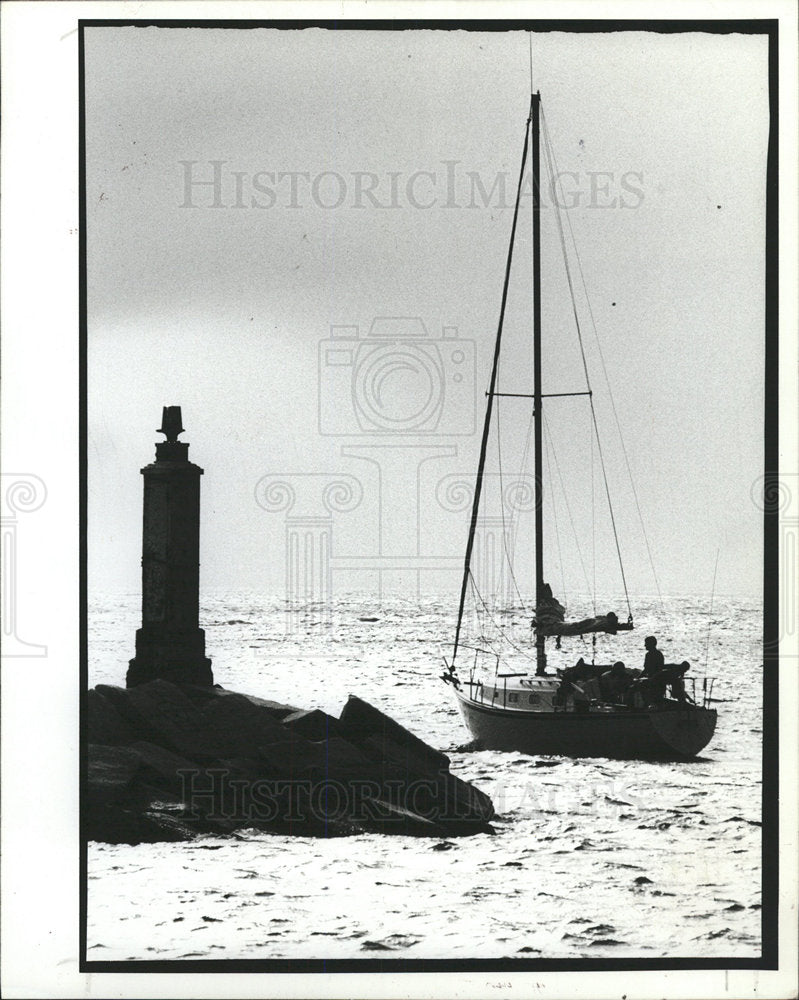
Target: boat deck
(671,730)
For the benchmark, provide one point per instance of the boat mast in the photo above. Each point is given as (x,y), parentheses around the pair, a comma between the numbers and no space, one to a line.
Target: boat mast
(540,652)
(490,394)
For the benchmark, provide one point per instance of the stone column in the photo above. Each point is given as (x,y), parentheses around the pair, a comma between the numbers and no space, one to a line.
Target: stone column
(170,644)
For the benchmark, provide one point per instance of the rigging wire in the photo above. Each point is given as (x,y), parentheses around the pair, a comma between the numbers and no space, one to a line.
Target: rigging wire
(593,521)
(530,39)
(610,509)
(500,628)
(710,612)
(526,451)
(568,507)
(508,559)
(605,372)
(555,519)
(538,404)
(551,167)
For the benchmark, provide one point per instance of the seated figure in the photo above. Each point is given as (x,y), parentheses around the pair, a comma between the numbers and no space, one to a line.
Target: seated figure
(614,683)
(650,690)
(580,683)
(675,678)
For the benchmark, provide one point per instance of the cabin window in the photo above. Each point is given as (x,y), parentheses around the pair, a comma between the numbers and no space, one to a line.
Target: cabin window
(513,696)
(534,699)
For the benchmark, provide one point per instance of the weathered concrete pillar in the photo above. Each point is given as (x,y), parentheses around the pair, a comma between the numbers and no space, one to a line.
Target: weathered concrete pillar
(170,644)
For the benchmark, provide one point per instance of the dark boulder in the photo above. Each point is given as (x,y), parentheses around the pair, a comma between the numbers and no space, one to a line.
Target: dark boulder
(361,721)
(162,708)
(161,769)
(461,804)
(202,695)
(118,698)
(103,723)
(382,816)
(180,760)
(420,778)
(435,794)
(157,712)
(313,725)
(275,708)
(110,774)
(114,824)
(342,761)
(236,725)
(405,759)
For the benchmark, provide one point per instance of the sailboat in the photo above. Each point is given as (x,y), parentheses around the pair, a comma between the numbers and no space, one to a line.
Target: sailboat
(590,709)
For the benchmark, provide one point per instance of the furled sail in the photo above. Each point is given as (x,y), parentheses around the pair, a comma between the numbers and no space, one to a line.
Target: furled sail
(550,619)
(549,612)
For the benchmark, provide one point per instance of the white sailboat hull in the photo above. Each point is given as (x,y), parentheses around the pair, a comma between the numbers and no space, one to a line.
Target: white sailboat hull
(673,732)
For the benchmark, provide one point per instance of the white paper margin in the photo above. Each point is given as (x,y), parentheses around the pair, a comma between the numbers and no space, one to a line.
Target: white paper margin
(40,437)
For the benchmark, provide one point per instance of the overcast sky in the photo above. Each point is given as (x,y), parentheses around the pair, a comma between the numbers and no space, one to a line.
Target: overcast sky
(360,175)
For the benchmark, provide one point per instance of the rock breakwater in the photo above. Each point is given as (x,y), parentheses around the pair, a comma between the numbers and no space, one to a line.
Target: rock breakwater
(170,762)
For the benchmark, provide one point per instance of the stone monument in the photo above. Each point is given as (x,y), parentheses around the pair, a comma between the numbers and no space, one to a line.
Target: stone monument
(170,644)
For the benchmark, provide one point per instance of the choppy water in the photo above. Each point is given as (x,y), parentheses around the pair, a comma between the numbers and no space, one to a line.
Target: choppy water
(590,858)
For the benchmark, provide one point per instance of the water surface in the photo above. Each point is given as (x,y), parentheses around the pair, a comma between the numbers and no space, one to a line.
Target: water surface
(594,858)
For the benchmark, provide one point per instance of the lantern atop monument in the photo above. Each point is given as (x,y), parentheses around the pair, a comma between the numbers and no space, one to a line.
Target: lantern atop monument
(171,423)
(171,450)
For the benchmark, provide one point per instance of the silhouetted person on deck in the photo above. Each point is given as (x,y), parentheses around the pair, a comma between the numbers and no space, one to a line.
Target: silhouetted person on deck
(676,682)
(614,683)
(571,685)
(653,661)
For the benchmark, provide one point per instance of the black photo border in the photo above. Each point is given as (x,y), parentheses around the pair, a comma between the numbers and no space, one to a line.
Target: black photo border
(768,958)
